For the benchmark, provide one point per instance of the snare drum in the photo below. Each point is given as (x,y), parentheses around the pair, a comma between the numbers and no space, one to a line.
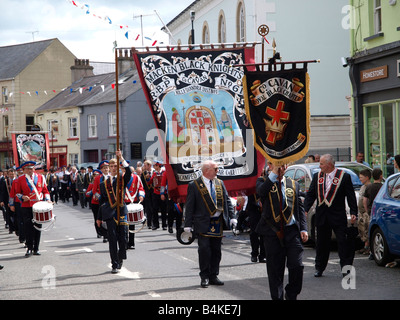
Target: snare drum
(43,214)
(135,214)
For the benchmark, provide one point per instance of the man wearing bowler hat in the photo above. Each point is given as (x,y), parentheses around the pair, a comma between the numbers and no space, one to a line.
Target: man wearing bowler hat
(31,188)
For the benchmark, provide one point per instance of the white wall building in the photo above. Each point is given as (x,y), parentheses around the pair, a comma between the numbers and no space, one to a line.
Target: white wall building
(303,30)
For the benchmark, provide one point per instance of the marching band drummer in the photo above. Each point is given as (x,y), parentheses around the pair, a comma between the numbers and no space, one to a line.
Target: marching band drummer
(136,195)
(31,188)
(117,229)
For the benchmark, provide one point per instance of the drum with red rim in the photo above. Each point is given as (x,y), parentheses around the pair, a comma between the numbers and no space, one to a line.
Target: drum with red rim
(43,213)
(135,214)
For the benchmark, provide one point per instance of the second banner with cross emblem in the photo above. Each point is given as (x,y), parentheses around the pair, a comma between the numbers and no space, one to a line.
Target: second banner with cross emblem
(277,106)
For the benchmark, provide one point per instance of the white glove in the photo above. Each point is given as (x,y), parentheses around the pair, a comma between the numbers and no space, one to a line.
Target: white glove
(187,229)
(233,223)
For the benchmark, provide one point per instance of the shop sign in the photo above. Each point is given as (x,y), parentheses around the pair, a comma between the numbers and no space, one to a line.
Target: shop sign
(374,74)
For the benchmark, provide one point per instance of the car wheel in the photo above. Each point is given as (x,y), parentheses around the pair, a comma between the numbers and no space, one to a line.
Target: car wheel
(379,248)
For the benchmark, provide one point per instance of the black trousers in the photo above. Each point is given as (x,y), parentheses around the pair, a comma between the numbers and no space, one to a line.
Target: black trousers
(159,206)
(346,246)
(290,254)
(117,241)
(32,235)
(209,252)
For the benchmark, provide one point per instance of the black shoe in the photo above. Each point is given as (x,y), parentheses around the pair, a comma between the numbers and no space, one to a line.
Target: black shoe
(36,253)
(170,230)
(204,283)
(262,260)
(1,267)
(318,274)
(253,259)
(28,253)
(216,282)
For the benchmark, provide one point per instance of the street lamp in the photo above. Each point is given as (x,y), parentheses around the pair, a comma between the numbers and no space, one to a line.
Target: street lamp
(192,17)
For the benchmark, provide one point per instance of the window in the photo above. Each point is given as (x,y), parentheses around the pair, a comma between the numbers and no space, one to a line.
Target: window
(5,127)
(4,95)
(241,23)
(52,127)
(136,150)
(30,121)
(92,126)
(73,127)
(377,16)
(395,190)
(112,124)
(300,177)
(221,28)
(73,159)
(206,33)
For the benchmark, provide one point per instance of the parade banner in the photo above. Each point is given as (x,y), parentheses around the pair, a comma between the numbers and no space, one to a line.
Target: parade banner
(196,98)
(31,146)
(278,108)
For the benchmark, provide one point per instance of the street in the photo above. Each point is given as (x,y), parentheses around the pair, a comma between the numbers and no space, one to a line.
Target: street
(75,265)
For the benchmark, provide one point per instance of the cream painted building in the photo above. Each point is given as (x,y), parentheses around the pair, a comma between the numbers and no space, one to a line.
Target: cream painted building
(28,75)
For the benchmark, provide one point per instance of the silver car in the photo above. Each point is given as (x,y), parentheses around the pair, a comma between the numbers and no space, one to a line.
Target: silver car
(303,173)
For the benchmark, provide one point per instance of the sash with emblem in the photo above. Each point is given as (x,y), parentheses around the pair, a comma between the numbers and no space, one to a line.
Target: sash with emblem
(112,198)
(333,189)
(216,227)
(287,207)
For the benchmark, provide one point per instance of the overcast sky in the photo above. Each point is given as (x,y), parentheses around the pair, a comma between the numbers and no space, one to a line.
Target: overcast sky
(86,36)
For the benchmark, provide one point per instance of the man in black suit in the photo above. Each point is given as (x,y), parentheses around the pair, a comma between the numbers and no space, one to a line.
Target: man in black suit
(117,229)
(283,226)
(330,187)
(208,209)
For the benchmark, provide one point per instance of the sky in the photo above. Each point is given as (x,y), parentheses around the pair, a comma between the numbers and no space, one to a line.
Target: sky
(85,35)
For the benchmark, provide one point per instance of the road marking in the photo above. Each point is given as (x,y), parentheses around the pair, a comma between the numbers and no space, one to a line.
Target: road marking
(124,272)
(153,294)
(58,240)
(74,250)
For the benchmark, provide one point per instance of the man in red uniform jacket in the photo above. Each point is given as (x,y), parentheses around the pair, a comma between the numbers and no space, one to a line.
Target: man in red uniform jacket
(31,188)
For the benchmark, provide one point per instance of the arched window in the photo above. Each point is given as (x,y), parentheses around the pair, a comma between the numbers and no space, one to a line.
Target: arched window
(241,22)
(221,28)
(206,33)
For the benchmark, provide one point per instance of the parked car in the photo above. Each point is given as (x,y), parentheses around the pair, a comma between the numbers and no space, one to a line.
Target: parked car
(87,164)
(384,227)
(303,173)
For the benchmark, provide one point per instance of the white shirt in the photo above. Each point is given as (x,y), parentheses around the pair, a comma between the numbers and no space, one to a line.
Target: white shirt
(328,181)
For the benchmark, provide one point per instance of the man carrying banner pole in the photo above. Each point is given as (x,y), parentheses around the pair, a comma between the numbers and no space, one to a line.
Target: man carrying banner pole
(278,109)
(283,226)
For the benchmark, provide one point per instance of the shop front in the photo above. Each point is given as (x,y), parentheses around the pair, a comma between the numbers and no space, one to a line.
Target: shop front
(375,76)
(58,156)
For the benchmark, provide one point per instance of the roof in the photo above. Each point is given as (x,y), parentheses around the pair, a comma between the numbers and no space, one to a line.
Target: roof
(14,59)
(95,90)
(183,12)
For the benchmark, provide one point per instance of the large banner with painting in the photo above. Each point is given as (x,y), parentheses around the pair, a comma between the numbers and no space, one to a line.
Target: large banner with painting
(31,146)
(278,108)
(196,97)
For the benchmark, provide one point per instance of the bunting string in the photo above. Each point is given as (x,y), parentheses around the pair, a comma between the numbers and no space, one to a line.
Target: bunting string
(128,33)
(36,93)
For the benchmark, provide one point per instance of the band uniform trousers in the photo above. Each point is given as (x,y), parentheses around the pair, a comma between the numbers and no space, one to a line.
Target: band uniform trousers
(32,235)
(117,241)
(292,254)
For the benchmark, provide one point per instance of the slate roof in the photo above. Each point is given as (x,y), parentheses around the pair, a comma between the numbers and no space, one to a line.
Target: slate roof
(14,59)
(96,95)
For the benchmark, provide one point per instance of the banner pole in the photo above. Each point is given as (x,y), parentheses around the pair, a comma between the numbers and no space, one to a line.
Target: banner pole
(117,121)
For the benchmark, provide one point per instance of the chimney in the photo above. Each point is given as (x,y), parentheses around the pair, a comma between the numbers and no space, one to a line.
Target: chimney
(125,61)
(81,69)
